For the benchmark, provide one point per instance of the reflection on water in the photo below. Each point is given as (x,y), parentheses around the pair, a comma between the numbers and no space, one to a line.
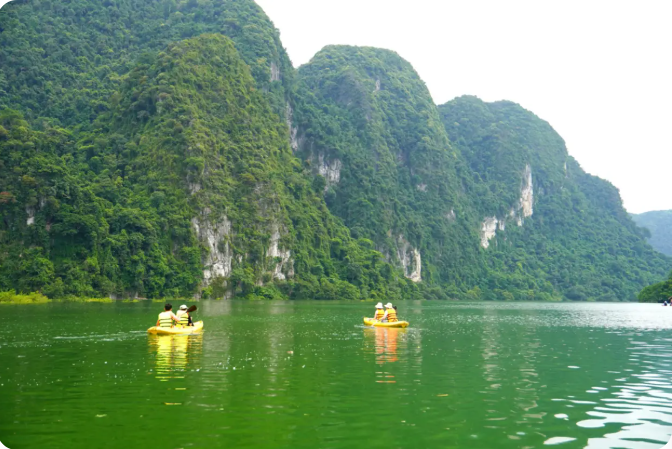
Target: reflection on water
(306,375)
(385,343)
(636,407)
(173,353)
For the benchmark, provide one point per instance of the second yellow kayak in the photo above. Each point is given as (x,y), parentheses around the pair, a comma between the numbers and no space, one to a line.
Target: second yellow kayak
(196,328)
(376,323)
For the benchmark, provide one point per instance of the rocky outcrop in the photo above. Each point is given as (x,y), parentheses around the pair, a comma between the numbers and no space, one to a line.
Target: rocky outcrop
(284,268)
(293,130)
(194,187)
(331,170)
(488,230)
(275,72)
(524,209)
(526,204)
(410,259)
(31,216)
(215,236)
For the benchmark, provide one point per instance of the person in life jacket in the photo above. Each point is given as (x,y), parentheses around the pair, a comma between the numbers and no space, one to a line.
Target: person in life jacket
(167,317)
(379,312)
(183,315)
(390,313)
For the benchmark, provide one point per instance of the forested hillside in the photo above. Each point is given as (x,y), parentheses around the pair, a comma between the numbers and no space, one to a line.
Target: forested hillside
(61,61)
(367,124)
(659,224)
(542,214)
(165,148)
(183,184)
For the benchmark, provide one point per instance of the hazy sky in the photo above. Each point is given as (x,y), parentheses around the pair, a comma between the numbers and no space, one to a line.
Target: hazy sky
(599,71)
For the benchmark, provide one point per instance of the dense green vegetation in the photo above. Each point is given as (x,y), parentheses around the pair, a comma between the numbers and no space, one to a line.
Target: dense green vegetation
(146,151)
(188,137)
(61,61)
(657,228)
(657,292)
(659,225)
(366,111)
(11,297)
(580,241)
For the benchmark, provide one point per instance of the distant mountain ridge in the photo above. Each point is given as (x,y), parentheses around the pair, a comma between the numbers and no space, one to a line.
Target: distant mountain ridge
(168,148)
(659,224)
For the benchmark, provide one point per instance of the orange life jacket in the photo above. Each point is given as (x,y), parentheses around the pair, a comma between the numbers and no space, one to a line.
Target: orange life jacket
(391,316)
(379,314)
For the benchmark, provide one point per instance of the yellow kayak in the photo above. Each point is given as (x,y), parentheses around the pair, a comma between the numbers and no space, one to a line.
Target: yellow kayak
(376,323)
(195,329)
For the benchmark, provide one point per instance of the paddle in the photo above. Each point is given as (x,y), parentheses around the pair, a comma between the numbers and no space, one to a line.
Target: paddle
(192,309)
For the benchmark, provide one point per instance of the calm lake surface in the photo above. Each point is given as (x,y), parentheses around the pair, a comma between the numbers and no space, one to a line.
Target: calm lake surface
(310,375)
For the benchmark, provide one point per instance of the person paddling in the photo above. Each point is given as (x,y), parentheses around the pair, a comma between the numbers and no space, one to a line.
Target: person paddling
(167,317)
(379,312)
(183,315)
(390,313)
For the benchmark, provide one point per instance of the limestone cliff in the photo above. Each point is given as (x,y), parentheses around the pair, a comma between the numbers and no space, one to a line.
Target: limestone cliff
(566,222)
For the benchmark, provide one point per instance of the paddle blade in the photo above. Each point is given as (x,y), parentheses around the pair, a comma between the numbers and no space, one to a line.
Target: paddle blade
(192,309)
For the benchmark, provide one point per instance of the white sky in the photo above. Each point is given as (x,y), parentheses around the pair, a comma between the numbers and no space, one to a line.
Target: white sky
(598,71)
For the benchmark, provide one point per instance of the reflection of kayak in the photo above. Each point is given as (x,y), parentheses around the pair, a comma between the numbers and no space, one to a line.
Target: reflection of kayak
(196,328)
(376,323)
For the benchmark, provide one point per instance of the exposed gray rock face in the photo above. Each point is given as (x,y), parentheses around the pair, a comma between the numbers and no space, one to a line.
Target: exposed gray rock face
(331,170)
(488,231)
(293,131)
(31,216)
(215,236)
(275,72)
(410,259)
(421,187)
(526,205)
(195,187)
(285,264)
(524,209)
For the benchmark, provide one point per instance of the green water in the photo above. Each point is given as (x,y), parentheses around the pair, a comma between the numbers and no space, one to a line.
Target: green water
(309,375)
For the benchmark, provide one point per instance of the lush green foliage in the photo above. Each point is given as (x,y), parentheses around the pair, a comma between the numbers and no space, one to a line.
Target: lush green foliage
(580,242)
(188,136)
(60,61)
(367,110)
(659,226)
(145,150)
(657,292)
(10,297)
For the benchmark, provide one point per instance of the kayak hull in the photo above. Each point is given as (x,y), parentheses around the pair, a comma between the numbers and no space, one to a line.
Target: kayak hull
(195,329)
(376,323)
